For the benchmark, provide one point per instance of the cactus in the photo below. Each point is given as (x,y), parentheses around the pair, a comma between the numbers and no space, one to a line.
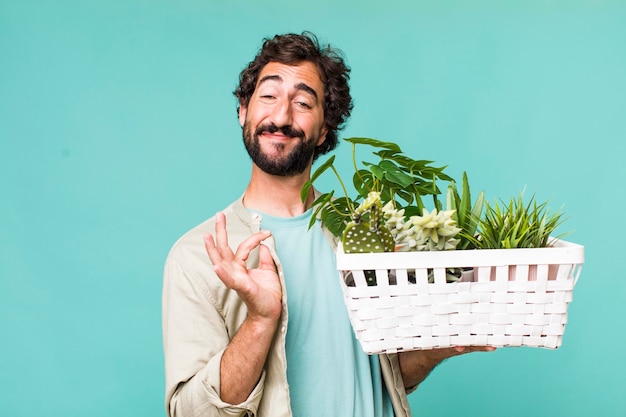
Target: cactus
(365,232)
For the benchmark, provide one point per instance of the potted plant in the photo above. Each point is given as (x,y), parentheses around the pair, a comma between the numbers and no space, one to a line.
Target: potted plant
(401,258)
(389,204)
(515,225)
(389,214)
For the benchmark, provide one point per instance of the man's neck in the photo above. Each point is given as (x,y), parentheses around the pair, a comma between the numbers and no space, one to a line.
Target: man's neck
(277,196)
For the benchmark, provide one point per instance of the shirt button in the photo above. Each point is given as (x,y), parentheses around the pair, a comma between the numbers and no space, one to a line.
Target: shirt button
(283,329)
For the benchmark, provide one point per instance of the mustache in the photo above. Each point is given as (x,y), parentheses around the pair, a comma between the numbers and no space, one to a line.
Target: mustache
(285,130)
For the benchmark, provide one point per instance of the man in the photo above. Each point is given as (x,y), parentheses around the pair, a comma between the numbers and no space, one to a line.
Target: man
(253,319)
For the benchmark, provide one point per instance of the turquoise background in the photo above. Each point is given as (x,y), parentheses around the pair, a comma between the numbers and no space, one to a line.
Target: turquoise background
(118,133)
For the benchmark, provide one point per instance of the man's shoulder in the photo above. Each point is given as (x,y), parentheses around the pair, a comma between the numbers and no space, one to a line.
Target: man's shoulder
(188,269)
(191,243)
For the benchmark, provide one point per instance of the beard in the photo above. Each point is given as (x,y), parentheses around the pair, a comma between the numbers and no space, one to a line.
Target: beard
(293,163)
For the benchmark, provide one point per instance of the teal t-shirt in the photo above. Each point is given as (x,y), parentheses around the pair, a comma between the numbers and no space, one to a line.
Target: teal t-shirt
(328,372)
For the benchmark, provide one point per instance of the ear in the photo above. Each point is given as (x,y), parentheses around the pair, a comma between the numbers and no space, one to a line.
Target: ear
(242,114)
(322,136)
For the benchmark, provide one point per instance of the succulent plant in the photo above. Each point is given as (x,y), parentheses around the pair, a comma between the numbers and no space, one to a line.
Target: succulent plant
(516,225)
(435,230)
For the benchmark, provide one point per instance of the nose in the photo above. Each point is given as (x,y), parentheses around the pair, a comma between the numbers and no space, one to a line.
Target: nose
(281,113)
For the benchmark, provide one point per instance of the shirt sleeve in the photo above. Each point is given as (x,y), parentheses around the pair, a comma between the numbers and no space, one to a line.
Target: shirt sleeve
(194,338)
(390,367)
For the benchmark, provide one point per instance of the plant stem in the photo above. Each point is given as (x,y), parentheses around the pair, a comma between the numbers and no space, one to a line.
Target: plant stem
(356,168)
(345,191)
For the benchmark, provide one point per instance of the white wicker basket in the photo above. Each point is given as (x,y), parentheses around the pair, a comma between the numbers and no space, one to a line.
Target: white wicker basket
(517,297)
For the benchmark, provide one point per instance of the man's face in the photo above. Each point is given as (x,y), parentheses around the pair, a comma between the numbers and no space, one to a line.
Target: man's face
(284,121)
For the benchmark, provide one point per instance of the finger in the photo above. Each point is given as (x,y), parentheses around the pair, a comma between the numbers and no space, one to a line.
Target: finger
(227,273)
(244,249)
(265,259)
(483,348)
(468,349)
(223,269)
(211,249)
(221,236)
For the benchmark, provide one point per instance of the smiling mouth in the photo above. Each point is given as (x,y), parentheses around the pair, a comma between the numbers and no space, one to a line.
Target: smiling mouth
(278,136)
(281,133)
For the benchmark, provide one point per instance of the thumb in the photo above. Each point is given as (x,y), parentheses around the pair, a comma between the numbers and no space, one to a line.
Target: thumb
(266,261)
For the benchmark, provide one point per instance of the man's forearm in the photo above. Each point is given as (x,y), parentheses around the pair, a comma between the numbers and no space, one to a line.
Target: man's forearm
(243,360)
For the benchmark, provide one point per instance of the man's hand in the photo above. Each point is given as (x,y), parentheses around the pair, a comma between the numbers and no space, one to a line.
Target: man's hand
(259,288)
(416,365)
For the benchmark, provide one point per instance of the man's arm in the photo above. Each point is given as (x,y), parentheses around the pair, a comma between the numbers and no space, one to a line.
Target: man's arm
(416,365)
(260,289)
(243,360)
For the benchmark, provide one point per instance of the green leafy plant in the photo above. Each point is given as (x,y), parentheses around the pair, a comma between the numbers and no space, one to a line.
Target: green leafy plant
(516,225)
(465,215)
(394,175)
(388,210)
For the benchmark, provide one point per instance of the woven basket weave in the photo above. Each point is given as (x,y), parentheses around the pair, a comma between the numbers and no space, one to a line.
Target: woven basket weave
(516,297)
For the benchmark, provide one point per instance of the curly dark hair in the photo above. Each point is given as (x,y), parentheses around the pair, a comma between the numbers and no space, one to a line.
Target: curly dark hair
(292,49)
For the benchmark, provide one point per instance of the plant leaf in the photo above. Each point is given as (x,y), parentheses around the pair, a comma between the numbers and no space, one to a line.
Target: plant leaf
(304,193)
(376,170)
(466,199)
(319,205)
(375,143)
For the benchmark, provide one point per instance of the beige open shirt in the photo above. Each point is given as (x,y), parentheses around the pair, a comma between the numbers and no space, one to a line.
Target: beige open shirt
(200,317)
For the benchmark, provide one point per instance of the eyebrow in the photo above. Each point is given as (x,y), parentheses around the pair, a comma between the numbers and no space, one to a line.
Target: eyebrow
(300,86)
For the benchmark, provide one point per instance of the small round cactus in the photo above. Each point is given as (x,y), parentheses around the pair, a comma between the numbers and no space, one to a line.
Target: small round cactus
(361,235)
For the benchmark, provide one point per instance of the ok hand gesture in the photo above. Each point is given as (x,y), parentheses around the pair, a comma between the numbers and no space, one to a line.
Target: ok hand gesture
(259,288)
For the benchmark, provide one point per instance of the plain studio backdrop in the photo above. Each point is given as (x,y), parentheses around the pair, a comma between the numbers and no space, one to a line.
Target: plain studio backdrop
(118,132)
